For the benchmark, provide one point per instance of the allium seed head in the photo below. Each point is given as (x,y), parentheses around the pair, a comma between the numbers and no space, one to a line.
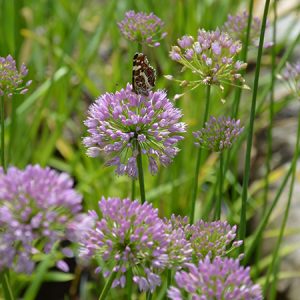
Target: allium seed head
(211,56)
(142,28)
(12,80)
(122,124)
(36,207)
(220,279)
(129,236)
(218,134)
(236,26)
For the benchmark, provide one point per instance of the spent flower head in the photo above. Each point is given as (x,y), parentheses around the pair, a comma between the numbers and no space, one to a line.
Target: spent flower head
(212,56)
(36,207)
(218,133)
(12,80)
(124,124)
(129,236)
(237,25)
(220,279)
(291,75)
(142,28)
(212,239)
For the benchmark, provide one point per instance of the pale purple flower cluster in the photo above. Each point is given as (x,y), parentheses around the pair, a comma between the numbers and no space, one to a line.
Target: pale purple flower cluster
(205,238)
(12,80)
(179,248)
(178,222)
(212,57)
(218,134)
(36,206)
(131,236)
(236,26)
(212,239)
(124,124)
(142,28)
(220,279)
(291,74)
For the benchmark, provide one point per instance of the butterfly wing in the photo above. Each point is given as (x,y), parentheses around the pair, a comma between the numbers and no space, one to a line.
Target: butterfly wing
(143,75)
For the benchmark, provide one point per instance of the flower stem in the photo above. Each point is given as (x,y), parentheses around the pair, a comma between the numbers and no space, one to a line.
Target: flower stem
(5,282)
(244,54)
(12,129)
(149,296)
(271,112)
(287,208)
(107,286)
(219,199)
(270,127)
(139,48)
(2,133)
(129,283)
(141,175)
(266,217)
(238,92)
(4,276)
(169,282)
(198,163)
(132,189)
(242,228)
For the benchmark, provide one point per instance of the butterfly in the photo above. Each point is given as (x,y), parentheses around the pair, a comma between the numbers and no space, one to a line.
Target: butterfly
(143,75)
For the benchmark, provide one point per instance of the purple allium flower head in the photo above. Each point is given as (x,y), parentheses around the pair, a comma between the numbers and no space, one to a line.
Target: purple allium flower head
(220,279)
(212,239)
(178,222)
(205,238)
(179,248)
(236,26)
(291,74)
(122,123)
(211,56)
(218,134)
(36,206)
(129,235)
(142,28)
(11,80)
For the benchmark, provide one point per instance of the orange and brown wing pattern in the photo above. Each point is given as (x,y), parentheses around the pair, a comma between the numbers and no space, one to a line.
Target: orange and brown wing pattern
(143,75)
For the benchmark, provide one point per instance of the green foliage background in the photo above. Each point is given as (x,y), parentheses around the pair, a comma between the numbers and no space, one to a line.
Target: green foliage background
(75,52)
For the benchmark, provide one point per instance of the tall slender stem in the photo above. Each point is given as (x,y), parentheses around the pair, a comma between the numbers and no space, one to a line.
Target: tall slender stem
(5,282)
(271,111)
(141,175)
(205,213)
(12,129)
(107,286)
(238,92)
(133,189)
(4,276)
(149,296)
(242,228)
(198,162)
(287,208)
(244,54)
(219,199)
(2,134)
(263,223)
(169,282)
(129,284)
(140,47)
(270,127)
